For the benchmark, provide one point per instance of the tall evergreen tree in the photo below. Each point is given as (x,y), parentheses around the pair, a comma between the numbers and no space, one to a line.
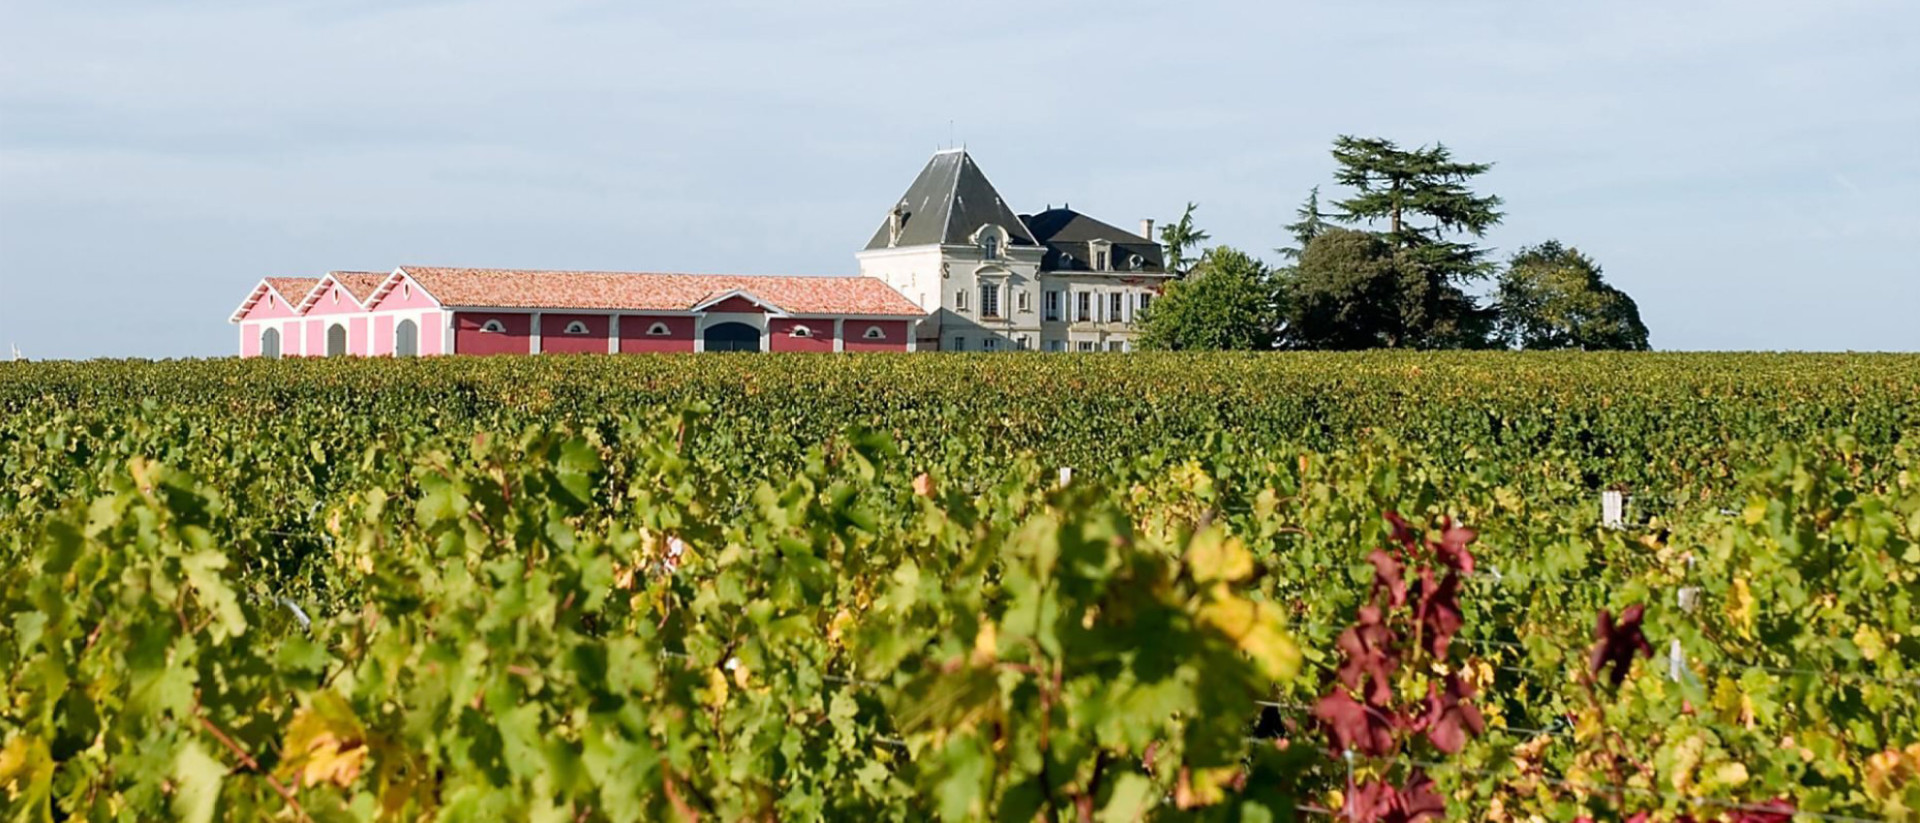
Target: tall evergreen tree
(1179,237)
(1552,297)
(1311,223)
(1423,197)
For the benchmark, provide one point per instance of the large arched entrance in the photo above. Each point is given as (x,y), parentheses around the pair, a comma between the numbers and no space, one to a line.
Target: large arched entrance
(336,340)
(270,344)
(732,337)
(406,339)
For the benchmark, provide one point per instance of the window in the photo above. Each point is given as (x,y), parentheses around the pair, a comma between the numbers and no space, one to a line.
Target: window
(1020,343)
(1116,345)
(1116,303)
(1053,305)
(801,331)
(1084,309)
(336,296)
(875,333)
(1024,299)
(269,301)
(658,330)
(1100,261)
(1086,345)
(1066,260)
(493,327)
(990,248)
(1145,300)
(577,327)
(1135,262)
(1056,345)
(989,300)
(960,300)
(406,290)
(959,344)
(990,344)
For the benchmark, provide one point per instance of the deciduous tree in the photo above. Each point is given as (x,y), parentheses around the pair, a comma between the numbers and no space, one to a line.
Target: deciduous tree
(1231,301)
(1552,297)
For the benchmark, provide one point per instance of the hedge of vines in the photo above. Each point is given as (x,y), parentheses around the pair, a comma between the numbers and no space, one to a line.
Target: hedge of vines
(1367,587)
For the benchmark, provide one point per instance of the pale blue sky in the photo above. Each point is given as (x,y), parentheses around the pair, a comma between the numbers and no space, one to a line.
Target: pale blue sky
(1748,170)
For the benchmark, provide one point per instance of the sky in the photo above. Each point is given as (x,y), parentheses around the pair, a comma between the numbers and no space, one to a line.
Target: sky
(1747,170)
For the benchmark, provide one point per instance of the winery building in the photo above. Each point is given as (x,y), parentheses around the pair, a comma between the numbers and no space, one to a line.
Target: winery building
(952,267)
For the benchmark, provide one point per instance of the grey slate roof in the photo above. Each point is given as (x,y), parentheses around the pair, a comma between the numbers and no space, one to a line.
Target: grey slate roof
(947,203)
(1067,234)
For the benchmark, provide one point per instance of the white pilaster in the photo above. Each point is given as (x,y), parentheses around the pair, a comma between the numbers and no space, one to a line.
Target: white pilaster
(533,346)
(839,334)
(613,334)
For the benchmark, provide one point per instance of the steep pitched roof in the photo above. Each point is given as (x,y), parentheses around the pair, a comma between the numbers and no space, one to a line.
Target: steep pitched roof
(947,203)
(1068,236)
(360,284)
(638,291)
(297,287)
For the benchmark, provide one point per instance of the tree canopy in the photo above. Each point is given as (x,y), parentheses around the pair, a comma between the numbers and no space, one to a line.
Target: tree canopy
(1552,297)
(1230,301)
(1423,196)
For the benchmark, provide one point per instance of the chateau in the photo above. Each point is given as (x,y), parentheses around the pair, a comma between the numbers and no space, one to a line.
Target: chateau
(951,268)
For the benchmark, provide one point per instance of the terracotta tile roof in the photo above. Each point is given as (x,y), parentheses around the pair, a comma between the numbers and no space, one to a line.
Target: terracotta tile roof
(294,289)
(291,288)
(636,291)
(360,284)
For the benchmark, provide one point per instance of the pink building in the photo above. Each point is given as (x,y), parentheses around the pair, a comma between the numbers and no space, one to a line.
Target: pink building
(417,311)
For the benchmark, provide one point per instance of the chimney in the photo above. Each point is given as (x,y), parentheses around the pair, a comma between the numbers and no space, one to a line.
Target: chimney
(1146,228)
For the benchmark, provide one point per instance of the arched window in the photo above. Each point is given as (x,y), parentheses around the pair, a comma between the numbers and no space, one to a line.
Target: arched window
(658,330)
(801,331)
(577,327)
(494,327)
(990,247)
(875,333)
(270,344)
(406,339)
(336,340)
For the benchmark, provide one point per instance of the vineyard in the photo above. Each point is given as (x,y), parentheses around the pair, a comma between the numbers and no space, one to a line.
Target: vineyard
(1319,587)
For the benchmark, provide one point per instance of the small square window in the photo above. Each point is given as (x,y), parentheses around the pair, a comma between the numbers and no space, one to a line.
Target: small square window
(1086,345)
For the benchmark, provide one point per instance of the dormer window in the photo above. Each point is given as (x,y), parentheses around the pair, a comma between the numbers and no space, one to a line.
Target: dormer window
(1066,260)
(493,327)
(1136,262)
(990,248)
(577,327)
(1102,255)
